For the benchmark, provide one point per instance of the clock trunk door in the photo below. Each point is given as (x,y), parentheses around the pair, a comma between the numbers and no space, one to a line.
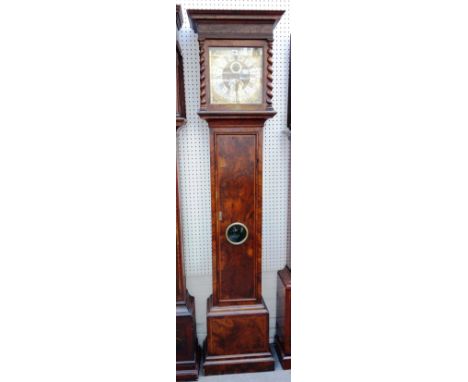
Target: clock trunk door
(237,173)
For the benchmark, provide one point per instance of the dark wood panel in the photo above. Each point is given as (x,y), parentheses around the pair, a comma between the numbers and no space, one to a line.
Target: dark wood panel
(187,349)
(185,343)
(236,169)
(225,339)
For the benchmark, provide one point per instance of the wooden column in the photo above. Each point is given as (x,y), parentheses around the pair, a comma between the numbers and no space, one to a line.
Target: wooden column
(187,349)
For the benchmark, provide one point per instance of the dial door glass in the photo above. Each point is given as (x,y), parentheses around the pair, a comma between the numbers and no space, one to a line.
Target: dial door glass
(236,75)
(237,233)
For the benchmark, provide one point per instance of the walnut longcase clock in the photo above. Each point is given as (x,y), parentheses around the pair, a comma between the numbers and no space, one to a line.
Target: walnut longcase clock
(187,352)
(236,73)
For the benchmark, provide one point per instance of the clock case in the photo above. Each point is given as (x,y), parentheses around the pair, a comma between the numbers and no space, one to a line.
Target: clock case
(187,349)
(237,317)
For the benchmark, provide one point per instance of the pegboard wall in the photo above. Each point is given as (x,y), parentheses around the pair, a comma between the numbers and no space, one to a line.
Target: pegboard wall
(194,149)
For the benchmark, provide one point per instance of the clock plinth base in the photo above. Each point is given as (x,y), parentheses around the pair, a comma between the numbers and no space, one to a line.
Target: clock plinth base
(237,339)
(187,349)
(191,374)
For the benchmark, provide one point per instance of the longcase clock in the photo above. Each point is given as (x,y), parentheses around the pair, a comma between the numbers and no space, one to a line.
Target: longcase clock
(283,289)
(236,90)
(187,356)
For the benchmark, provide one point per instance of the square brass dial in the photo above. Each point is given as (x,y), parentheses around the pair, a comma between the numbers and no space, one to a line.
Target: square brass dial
(236,75)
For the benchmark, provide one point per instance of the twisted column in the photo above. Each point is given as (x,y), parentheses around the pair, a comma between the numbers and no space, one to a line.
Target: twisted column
(269,84)
(202,75)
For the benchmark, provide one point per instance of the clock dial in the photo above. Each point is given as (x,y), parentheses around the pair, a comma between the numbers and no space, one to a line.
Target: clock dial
(236,75)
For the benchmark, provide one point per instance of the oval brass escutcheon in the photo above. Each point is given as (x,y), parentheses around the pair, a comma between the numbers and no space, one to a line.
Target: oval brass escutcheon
(237,233)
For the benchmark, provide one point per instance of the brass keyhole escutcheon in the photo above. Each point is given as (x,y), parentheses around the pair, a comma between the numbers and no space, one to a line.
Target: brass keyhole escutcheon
(237,233)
